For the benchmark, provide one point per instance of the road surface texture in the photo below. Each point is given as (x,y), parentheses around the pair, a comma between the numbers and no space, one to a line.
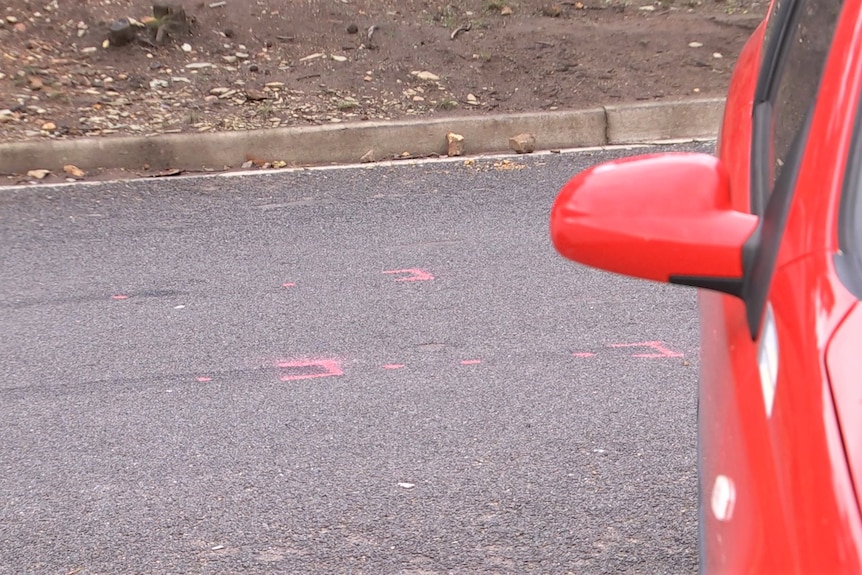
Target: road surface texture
(365,370)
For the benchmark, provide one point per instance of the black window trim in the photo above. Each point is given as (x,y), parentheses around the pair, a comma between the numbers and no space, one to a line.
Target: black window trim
(764,98)
(761,251)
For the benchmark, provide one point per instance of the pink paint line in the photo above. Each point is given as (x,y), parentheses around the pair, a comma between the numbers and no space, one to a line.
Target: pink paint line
(290,284)
(204,379)
(328,367)
(470,361)
(417,275)
(393,366)
(119,296)
(583,354)
(658,346)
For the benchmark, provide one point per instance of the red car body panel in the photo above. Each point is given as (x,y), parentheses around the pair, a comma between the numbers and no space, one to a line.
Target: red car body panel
(795,509)
(779,416)
(842,362)
(663,218)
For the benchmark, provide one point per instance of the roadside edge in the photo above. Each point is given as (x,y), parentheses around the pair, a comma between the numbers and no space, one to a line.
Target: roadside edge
(336,144)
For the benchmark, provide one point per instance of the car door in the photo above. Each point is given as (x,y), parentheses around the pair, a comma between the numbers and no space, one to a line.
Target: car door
(772,499)
(843,361)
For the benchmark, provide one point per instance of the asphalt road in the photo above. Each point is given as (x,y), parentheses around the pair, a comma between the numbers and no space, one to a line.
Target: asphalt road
(375,370)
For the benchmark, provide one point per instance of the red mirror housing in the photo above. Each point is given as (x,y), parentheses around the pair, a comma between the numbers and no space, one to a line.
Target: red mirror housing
(663,217)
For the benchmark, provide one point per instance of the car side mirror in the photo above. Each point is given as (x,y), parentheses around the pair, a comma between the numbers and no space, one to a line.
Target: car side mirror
(663,217)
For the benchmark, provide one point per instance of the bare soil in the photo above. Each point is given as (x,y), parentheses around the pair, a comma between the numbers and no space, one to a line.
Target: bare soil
(243,64)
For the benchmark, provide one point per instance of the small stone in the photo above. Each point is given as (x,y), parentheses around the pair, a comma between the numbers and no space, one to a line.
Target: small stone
(38,174)
(312,57)
(19,27)
(426,75)
(247,165)
(717,55)
(367,157)
(472,100)
(12,19)
(552,10)
(405,485)
(6,116)
(523,143)
(279,164)
(35,82)
(49,126)
(230,59)
(186,47)
(242,55)
(506,11)
(455,144)
(353,29)
(120,32)
(199,65)
(255,95)
(89,50)
(695,45)
(338,58)
(647,8)
(74,171)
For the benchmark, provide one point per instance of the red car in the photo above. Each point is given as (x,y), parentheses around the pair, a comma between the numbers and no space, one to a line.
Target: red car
(770,229)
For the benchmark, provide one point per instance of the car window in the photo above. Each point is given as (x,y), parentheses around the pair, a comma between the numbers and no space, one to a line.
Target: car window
(784,101)
(799,36)
(849,259)
(800,78)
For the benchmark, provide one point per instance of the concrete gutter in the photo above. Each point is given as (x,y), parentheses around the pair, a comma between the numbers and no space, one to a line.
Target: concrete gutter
(347,143)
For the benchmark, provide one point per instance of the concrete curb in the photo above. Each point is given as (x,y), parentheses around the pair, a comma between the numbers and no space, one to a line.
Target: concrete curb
(347,143)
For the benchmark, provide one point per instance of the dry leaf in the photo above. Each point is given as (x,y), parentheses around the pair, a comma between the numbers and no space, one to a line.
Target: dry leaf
(74,171)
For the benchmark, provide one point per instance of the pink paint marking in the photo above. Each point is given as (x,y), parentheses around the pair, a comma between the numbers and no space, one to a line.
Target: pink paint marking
(289,284)
(119,296)
(470,361)
(310,369)
(656,345)
(583,354)
(417,275)
(204,379)
(393,366)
